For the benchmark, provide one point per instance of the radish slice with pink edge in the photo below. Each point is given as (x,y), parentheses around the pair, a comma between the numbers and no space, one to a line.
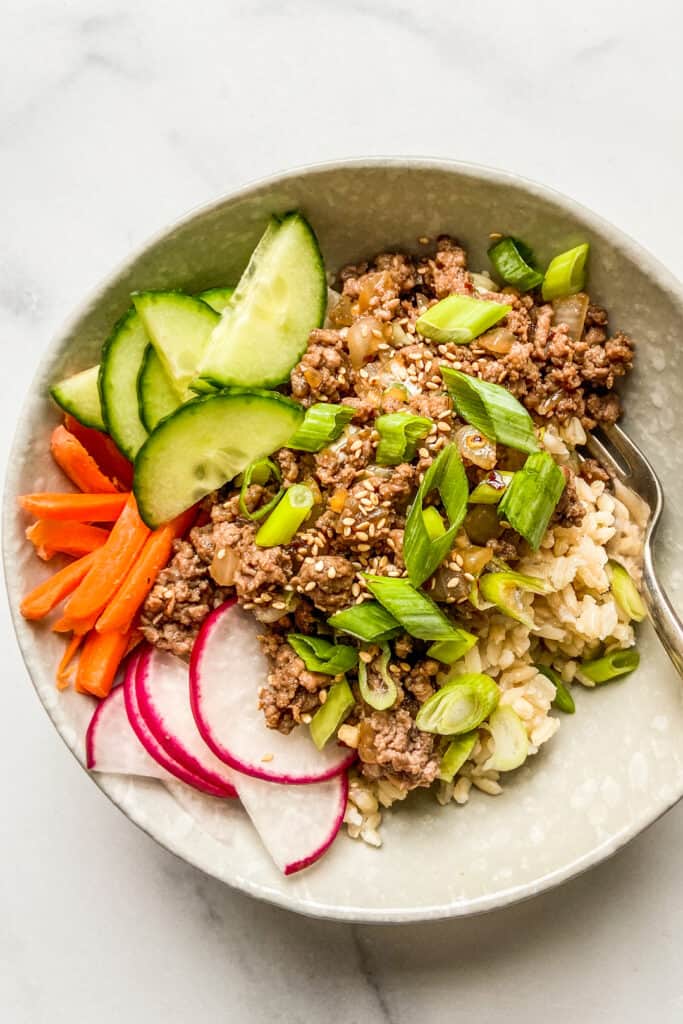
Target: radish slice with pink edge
(145,738)
(162,689)
(112,746)
(296,824)
(227,670)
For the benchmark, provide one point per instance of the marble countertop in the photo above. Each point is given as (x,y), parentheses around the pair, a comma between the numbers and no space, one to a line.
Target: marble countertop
(114,119)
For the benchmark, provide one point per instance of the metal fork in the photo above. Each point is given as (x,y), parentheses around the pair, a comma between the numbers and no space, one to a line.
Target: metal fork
(615,450)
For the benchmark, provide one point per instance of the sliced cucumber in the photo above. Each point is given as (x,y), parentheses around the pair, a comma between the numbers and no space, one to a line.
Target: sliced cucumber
(217,298)
(205,443)
(157,396)
(281,297)
(78,395)
(122,357)
(179,326)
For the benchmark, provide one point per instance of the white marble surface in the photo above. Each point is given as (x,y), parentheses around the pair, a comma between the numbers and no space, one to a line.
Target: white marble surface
(114,119)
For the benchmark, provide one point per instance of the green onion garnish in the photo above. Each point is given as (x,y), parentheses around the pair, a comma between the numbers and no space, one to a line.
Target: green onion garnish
(492,410)
(450,651)
(625,592)
(618,663)
(286,518)
(434,524)
(418,615)
(491,489)
(510,740)
(459,706)
(460,318)
(368,621)
(455,755)
(513,261)
(399,433)
(259,472)
(332,713)
(532,496)
(322,424)
(382,696)
(563,699)
(504,589)
(566,273)
(320,655)
(422,551)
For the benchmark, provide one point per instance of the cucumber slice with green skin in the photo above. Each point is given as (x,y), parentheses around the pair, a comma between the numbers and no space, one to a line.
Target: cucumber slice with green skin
(79,396)
(205,443)
(281,297)
(217,298)
(179,326)
(157,397)
(122,357)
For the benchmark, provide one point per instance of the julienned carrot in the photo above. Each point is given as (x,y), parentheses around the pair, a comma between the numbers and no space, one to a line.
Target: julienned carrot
(121,610)
(103,450)
(80,467)
(64,624)
(81,508)
(50,536)
(63,677)
(45,596)
(111,566)
(100,658)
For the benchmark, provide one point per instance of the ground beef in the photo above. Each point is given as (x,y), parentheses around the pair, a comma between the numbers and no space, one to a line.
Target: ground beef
(420,680)
(446,272)
(291,691)
(391,744)
(569,510)
(590,470)
(325,373)
(326,581)
(261,574)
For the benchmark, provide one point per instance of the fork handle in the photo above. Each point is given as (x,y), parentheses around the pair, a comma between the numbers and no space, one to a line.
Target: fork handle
(666,622)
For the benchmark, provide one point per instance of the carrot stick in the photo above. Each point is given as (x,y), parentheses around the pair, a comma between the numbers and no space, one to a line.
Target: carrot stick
(100,658)
(65,624)
(121,610)
(112,563)
(82,508)
(103,450)
(63,678)
(43,598)
(78,464)
(50,535)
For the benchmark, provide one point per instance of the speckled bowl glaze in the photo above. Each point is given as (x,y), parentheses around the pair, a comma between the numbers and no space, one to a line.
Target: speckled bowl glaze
(616,765)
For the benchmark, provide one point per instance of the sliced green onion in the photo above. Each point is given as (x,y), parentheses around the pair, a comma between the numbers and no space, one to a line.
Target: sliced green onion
(625,592)
(504,589)
(491,489)
(260,472)
(459,706)
(433,523)
(417,613)
(332,713)
(287,516)
(460,318)
(563,699)
(320,655)
(455,755)
(510,740)
(513,261)
(532,496)
(566,273)
(368,621)
(378,697)
(423,552)
(399,433)
(322,424)
(618,663)
(450,651)
(492,410)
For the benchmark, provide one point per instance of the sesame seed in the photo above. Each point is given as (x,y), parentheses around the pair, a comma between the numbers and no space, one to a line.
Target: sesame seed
(322,696)
(365,656)
(311,585)
(355,589)
(349,521)
(453,583)
(319,566)
(362,535)
(331,572)
(267,757)
(363,547)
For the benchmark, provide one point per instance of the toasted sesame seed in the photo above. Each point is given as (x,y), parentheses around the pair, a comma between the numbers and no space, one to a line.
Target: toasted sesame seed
(355,589)
(319,566)
(348,521)
(267,757)
(365,656)
(331,572)
(311,585)
(362,535)
(322,696)
(363,547)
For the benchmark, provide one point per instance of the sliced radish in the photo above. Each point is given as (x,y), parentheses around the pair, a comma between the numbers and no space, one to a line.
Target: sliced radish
(146,738)
(226,672)
(296,824)
(162,689)
(112,746)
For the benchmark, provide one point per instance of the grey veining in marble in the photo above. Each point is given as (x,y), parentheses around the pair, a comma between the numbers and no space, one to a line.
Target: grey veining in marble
(115,118)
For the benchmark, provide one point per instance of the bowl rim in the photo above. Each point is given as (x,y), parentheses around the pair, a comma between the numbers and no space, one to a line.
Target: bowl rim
(649,265)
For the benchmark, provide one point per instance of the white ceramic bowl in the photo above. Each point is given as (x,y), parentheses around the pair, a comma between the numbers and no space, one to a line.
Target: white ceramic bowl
(616,765)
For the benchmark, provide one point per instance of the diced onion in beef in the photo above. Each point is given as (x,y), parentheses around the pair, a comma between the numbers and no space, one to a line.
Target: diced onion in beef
(571,310)
(224,566)
(363,340)
(475,448)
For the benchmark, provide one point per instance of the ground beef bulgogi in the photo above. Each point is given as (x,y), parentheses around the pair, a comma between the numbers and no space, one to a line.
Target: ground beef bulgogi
(370,357)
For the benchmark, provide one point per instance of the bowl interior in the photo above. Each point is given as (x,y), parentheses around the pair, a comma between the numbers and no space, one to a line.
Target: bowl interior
(614,766)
